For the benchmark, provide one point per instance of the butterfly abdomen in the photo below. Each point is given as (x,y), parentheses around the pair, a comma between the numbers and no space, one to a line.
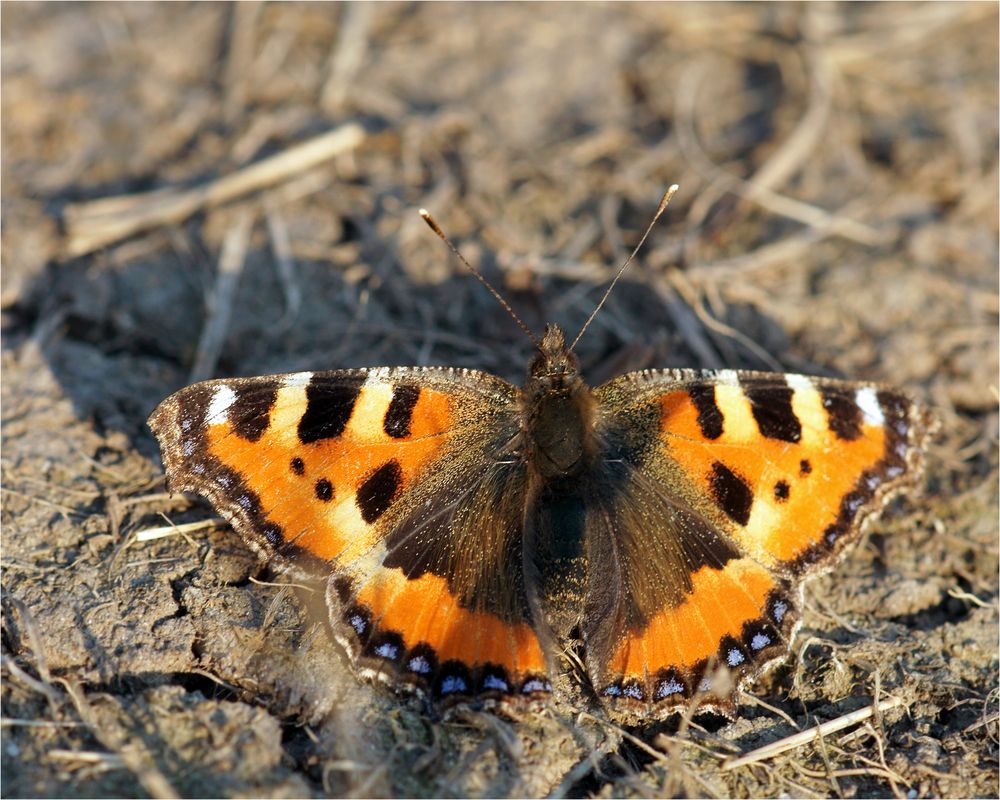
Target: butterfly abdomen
(554,541)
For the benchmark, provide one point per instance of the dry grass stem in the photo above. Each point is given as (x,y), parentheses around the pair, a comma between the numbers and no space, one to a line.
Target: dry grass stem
(220,302)
(282,584)
(990,719)
(106,760)
(348,54)
(811,734)
(40,687)
(284,259)
(238,71)
(785,163)
(8,722)
(162,532)
(98,223)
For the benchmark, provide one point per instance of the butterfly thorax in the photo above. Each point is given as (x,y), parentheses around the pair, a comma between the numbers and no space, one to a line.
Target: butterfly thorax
(557,413)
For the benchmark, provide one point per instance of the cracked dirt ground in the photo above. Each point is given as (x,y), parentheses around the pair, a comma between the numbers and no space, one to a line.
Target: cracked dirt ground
(837,215)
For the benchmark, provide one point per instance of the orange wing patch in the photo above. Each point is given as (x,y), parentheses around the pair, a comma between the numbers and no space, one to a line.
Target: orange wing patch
(738,617)
(416,631)
(790,467)
(326,487)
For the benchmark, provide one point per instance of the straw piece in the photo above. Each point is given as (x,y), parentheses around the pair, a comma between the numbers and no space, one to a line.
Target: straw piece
(98,223)
(150,534)
(213,335)
(811,734)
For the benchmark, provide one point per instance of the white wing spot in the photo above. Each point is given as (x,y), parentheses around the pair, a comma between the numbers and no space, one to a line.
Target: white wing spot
(377,375)
(867,401)
(728,377)
(800,383)
(218,408)
(760,641)
(734,658)
(779,610)
(297,379)
(358,623)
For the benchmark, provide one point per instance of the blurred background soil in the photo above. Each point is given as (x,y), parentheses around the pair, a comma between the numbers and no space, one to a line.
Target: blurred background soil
(161,223)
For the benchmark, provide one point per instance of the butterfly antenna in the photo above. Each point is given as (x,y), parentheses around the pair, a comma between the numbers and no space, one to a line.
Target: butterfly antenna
(664,201)
(432,224)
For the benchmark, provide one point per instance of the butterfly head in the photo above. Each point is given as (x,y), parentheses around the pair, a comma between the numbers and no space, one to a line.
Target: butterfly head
(556,366)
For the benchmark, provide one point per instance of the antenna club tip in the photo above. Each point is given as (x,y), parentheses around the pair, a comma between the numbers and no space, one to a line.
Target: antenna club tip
(665,200)
(426,216)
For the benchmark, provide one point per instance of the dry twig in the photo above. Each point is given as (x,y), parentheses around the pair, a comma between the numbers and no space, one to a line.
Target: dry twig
(98,223)
(811,734)
(213,335)
(150,534)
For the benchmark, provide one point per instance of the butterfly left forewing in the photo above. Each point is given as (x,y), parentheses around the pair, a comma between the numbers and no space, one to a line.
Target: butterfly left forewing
(785,470)
(302,464)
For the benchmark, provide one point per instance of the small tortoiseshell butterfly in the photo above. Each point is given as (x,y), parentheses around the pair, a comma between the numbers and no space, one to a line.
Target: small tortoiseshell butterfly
(664,521)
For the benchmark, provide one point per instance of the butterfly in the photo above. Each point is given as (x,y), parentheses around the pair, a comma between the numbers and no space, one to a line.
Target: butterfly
(660,525)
